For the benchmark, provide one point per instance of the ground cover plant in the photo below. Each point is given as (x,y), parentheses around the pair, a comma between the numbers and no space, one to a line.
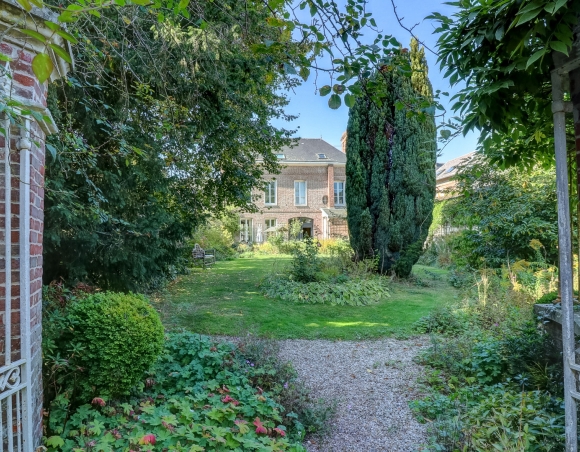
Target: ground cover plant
(195,393)
(493,381)
(198,396)
(227,300)
(336,280)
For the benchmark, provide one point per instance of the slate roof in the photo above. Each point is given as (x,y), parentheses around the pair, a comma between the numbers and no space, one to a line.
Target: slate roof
(307,150)
(449,169)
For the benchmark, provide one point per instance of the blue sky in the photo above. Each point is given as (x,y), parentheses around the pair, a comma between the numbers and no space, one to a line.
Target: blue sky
(316,120)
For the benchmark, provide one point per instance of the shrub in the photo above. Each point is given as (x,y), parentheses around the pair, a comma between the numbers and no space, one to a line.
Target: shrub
(305,262)
(266,248)
(108,340)
(217,234)
(441,320)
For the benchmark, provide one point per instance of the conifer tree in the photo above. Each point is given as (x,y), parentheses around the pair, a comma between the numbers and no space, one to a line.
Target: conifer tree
(390,170)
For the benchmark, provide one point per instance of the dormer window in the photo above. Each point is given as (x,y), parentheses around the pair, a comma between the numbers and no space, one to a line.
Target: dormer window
(280,156)
(322,156)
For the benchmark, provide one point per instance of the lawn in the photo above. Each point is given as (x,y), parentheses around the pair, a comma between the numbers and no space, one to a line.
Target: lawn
(225,300)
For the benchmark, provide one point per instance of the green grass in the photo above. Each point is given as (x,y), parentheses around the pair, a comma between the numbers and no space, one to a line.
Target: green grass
(225,300)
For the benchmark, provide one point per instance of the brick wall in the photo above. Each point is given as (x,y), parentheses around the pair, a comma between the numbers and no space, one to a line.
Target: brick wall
(320,188)
(24,87)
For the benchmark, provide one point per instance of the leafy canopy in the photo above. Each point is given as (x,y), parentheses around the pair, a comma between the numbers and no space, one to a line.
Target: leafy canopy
(502,49)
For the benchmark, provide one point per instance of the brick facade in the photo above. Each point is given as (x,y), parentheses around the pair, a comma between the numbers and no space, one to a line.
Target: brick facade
(22,325)
(319,179)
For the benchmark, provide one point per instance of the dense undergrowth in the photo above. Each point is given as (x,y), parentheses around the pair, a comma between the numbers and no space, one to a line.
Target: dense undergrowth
(494,381)
(197,394)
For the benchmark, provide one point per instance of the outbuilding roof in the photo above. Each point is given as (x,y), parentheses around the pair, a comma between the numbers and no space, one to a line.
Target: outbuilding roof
(450,168)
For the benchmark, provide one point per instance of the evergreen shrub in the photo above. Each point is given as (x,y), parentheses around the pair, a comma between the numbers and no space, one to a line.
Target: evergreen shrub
(390,167)
(109,340)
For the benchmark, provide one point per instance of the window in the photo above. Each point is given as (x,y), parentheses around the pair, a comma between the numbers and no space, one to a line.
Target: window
(245,230)
(339,193)
(270,223)
(280,156)
(450,169)
(270,193)
(322,156)
(299,193)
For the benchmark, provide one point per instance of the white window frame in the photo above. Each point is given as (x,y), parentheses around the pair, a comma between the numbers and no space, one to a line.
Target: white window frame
(266,221)
(336,197)
(269,184)
(296,198)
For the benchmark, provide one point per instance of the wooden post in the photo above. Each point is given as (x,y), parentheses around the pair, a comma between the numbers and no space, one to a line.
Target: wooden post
(566,265)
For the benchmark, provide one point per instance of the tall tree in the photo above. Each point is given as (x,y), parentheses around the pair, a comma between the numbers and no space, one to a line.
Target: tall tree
(390,169)
(162,124)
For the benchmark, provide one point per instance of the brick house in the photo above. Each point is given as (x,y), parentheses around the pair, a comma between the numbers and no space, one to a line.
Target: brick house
(309,188)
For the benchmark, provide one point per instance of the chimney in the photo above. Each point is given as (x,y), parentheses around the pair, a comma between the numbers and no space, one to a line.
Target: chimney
(343,142)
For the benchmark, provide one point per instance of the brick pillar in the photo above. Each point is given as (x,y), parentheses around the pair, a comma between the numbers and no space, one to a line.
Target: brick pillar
(330,185)
(22,220)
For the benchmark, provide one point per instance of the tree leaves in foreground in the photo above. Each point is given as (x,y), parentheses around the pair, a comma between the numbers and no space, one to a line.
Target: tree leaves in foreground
(160,126)
(391,171)
(503,51)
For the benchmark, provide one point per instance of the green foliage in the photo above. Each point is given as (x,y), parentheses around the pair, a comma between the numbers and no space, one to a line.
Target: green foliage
(503,211)
(498,417)
(305,261)
(141,162)
(548,297)
(349,292)
(391,170)
(282,382)
(503,49)
(200,395)
(441,320)
(218,234)
(98,344)
(497,384)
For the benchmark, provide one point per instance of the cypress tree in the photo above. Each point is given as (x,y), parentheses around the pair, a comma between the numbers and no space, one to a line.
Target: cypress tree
(390,170)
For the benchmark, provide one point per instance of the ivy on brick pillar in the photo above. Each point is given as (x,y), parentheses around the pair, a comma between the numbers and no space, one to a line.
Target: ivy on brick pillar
(22,217)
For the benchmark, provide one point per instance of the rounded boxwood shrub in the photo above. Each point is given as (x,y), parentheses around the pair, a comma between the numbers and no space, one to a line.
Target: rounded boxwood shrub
(117,337)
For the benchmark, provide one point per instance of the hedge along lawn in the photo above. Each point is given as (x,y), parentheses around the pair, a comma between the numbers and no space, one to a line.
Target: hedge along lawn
(226,300)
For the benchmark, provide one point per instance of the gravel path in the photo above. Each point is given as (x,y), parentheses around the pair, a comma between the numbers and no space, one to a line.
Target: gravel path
(372,381)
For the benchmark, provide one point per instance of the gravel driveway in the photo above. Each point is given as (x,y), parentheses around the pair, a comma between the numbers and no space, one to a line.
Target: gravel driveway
(372,381)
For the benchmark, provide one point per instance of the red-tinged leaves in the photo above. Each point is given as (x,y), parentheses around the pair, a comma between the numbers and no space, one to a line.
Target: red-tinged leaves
(260,429)
(42,67)
(147,439)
